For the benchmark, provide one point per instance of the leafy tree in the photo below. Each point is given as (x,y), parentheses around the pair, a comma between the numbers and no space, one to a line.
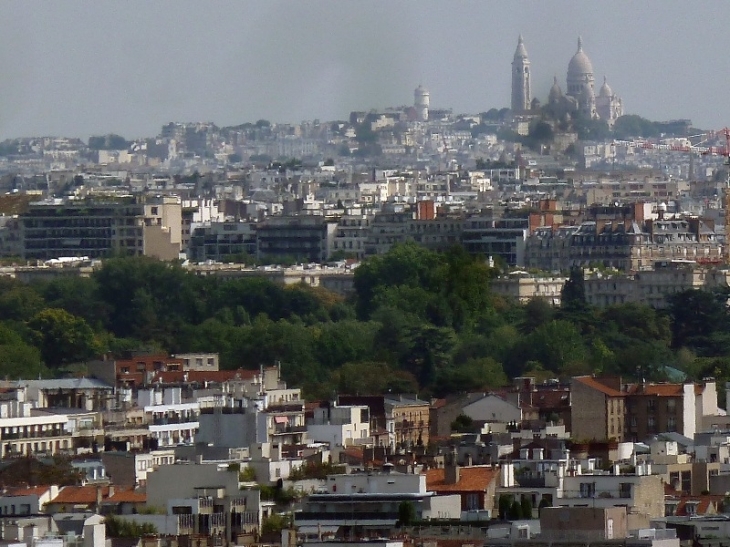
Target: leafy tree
(543,503)
(526,507)
(19,360)
(482,373)
(118,527)
(406,264)
(19,302)
(462,424)
(62,337)
(698,317)
(515,511)
(504,505)
(275,523)
(541,132)
(592,130)
(406,513)
(556,345)
(573,295)
(371,378)
(632,125)
(538,311)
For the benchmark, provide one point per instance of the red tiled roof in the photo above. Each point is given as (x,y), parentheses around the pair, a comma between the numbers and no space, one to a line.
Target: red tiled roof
(127,496)
(663,390)
(27,491)
(87,495)
(657,390)
(591,382)
(354,453)
(80,494)
(191,376)
(471,479)
(705,504)
(551,398)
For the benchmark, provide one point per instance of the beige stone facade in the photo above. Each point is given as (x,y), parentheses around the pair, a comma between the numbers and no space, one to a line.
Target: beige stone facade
(597,410)
(524,288)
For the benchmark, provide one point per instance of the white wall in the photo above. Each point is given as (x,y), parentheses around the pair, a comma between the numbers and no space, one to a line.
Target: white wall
(493,409)
(689,411)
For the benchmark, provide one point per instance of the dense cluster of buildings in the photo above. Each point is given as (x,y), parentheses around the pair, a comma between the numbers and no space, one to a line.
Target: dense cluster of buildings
(209,457)
(189,451)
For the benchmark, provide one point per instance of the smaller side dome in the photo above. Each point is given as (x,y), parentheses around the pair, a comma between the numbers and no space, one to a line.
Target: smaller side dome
(606,90)
(555,92)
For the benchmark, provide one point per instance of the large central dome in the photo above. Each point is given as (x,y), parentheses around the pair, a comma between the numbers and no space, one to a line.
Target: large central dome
(580,63)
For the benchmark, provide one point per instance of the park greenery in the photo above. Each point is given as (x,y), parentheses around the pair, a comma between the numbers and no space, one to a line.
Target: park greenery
(418,321)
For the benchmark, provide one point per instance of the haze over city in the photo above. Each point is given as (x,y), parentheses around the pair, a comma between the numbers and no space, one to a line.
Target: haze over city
(79,68)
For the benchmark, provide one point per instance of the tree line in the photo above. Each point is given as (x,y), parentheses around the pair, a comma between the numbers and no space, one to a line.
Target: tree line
(418,321)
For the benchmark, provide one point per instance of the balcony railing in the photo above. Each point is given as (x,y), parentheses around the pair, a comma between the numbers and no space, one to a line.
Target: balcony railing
(33,435)
(170,420)
(530,482)
(345,515)
(290,429)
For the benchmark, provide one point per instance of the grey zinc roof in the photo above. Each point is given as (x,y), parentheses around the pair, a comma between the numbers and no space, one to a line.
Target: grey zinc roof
(66,383)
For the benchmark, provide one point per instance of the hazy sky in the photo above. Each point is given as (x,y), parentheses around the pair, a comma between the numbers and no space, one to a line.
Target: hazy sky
(78,68)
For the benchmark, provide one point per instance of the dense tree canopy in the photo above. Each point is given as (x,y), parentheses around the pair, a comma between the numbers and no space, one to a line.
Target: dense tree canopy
(417,321)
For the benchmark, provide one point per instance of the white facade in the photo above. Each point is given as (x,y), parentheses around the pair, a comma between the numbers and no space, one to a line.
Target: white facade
(25,432)
(340,426)
(171,421)
(27,502)
(492,408)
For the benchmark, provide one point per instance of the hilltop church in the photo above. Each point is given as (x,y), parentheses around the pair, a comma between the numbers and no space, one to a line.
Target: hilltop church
(580,96)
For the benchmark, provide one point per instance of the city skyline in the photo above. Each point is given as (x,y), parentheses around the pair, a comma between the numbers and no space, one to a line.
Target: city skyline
(81,68)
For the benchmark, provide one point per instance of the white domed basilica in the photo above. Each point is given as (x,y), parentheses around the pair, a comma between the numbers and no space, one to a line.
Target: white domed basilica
(580,96)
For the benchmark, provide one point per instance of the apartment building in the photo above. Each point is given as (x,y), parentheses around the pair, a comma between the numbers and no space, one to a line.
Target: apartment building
(505,238)
(522,287)
(597,408)
(653,287)
(565,482)
(410,419)
(605,409)
(99,227)
(171,420)
(220,241)
(340,425)
(209,501)
(626,244)
(304,238)
(24,431)
(399,223)
(370,502)
(352,232)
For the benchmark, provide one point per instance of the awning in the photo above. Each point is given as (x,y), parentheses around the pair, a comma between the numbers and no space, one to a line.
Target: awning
(281,420)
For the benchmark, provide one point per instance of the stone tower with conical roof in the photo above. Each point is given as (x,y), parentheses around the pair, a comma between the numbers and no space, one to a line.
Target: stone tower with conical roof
(521,94)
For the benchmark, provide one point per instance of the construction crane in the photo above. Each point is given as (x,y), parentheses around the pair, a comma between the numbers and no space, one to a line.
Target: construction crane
(699,149)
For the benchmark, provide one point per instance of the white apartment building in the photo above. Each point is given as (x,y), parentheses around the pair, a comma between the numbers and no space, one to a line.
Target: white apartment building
(171,421)
(371,501)
(565,482)
(340,425)
(352,231)
(24,431)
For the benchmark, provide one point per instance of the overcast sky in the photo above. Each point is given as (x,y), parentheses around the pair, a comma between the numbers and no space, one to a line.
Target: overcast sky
(79,68)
